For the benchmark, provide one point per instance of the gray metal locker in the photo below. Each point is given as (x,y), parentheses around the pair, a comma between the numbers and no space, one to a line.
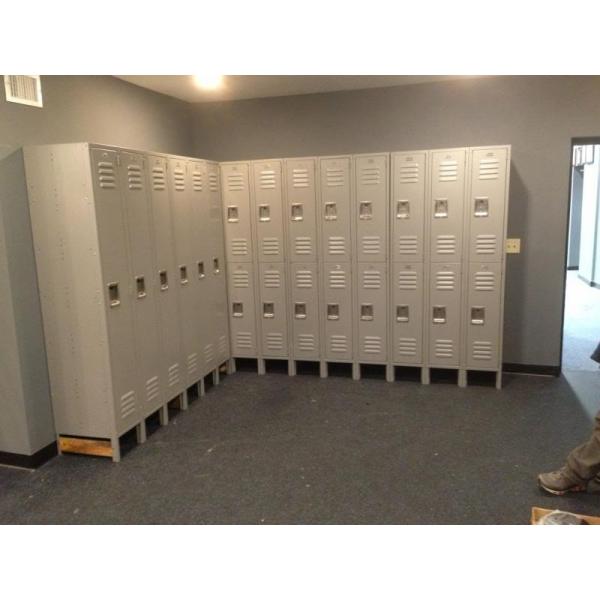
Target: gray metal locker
(444,314)
(304,311)
(483,316)
(242,310)
(409,175)
(273,311)
(447,204)
(166,277)
(235,183)
(371,207)
(371,311)
(337,313)
(144,282)
(268,210)
(406,313)
(301,204)
(487,204)
(336,208)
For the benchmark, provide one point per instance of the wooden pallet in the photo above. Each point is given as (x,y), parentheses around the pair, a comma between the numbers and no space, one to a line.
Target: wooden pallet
(537,513)
(91,447)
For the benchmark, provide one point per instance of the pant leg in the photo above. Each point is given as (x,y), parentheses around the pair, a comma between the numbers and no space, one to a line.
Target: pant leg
(584,461)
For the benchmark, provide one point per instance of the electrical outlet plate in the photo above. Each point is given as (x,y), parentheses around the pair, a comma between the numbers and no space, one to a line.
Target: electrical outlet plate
(513,246)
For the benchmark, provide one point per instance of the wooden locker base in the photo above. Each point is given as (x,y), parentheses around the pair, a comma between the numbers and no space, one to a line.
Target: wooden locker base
(537,513)
(91,447)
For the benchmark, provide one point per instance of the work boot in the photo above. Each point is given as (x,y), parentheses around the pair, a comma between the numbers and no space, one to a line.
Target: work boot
(593,486)
(560,482)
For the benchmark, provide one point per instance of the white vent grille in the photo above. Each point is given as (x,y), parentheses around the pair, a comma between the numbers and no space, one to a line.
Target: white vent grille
(134,177)
(407,346)
(409,173)
(371,244)
(484,281)
(336,244)
(482,351)
(448,171)
(173,375)
(303,245)
(372,344)
(337,280)
(407,244)
(407,280)
(209,353)
(300,178)
(127,404)
(335,177)
(370,176)
(338,343)
(307,342)
(243,340)
(235,182)
(485,243)
(106,175)
(444,348)
(24,89)
(445,281)
(158,179)
(272,279)
(197,181)
(152,389)
(270,245)
(241,279)
(304,279)
(275,341)
(445,244)
(239,247)
(213,182)
(179,179)
(489,168)
(372,280)
(192,363)
(267,180)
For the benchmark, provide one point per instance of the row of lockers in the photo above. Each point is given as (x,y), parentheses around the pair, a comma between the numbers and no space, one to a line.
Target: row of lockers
(338,209)
(131,268)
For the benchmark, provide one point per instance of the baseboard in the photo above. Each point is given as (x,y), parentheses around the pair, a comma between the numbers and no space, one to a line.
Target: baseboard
(531,369)
(32,461)
(573,268)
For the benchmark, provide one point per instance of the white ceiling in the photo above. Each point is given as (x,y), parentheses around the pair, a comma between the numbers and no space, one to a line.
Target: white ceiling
(237,87)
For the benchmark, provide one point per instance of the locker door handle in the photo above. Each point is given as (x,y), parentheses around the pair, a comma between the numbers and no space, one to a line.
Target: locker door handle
(330,211)
(477,315)
(232,214)
(365,210)
(366,312)
(201,273)
(238,309)
(114,298)
(439,314)
(216,269)
(333,312)
(140,286)
(403,209)
(183,274)
(297,212)
(402,313)
(440,208)
(268,310)
(300,310)
(264,213)
(164,280)
(482,206)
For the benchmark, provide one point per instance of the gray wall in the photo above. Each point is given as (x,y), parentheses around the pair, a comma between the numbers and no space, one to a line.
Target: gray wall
(537,115)
(575,219)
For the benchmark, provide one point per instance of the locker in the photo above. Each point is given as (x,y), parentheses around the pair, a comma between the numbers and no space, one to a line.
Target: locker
(242,309)
(446,205)
(486,210)
(371,311)
(273,311)
(336,208)
(215,215)
(301,209)
(304,311)
(268,210)
(371,207)
(444,316)
(337,313)
(483,316)
(144,280)
(165,277)
(235,183)
(200,210)
(409,174)
(217,309)
(406,314)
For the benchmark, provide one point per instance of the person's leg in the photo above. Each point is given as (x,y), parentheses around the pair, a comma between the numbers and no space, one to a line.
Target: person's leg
(584,461)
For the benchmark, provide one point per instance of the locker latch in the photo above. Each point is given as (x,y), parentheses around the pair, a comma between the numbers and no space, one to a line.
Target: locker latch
(440,208)
(330,211)
(297,212)
(365,210)
(264,213)
(113,294)
(164,280)
(402,313)
(268,310)
(238,309)
(439,314)
(366,312)
(300,310)
(140,286)
(183,274)
(216,268)
(403,209)
(333,312)
(477,315)
(482,206)
(201,273)
(232,214)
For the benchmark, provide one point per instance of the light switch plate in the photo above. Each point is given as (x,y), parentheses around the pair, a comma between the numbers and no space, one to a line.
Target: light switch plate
(513,246)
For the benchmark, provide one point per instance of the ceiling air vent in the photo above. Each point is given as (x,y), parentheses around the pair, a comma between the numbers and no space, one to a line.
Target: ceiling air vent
(23,89)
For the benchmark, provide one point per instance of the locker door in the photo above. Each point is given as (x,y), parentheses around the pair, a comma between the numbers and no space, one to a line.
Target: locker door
(487,203)
(215,215)
(407,313)
(242,309)
(335,209)
(408,205)
(444,314)
(483,316)
(144,282)
(301,209)
(372,313)
(273,310)
(235,183)
(117,289)
(371,207)
(446,208)
(166,277)
(304,311)
(200,210)
(337,312)
(268,210)
(220,331)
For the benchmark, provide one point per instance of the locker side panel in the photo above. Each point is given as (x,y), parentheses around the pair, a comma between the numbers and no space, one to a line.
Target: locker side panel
(407,313)
(301,208)
(444,315)
(235,183)
(268,210)
(304,311)
(446,205)
(273,311)
(337,312)
(371,209)
(486,204)
(483,316)
(336,209)
(409,172)
(372,313)
(242,310)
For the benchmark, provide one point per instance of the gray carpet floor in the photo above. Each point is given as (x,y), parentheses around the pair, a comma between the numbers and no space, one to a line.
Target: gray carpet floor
(279,449)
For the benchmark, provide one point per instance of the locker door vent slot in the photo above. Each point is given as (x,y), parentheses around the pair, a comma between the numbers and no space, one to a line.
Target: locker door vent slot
(158,179)
(407,244)
(183,274)
(439,314)
(365,211)
(268,310)
(402,313)
(333,312)
(371,244)
(237,309)
(267,180)
(440,209)
(134,177)
(337,280)
(403,209)
(482,206)
(304,279)
(272,279)
(306,342)
(300,178)
(243,340)
(201,273)
(164,280)
(445,244)
(197,181)
(448,171)
(106,175)
(338,343)
(336,244)
(489,168)
(372,280)
(370,176)
(232,214)
(366,312)
(216,267)
(213,182)
(235,182)
(114,298)
(330,211)
(303,245)
(140,286)
(264,213)
(297,212)
(407,346)
(409,173)
(270,245)
(179,179)
(482,350)
(407,280)
(484,281)
(300,310)
(477,315)
(485,243)
(445,281)
(241,279)
(335,177)
(239,247)
(444,349)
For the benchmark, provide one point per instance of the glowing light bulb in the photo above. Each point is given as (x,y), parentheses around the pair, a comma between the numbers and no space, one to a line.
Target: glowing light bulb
(208,82)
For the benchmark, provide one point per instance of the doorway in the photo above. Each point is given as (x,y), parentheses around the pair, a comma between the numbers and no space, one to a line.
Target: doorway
(581,322)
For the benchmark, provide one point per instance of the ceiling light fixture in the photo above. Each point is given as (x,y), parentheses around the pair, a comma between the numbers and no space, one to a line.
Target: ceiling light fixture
(208,82)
